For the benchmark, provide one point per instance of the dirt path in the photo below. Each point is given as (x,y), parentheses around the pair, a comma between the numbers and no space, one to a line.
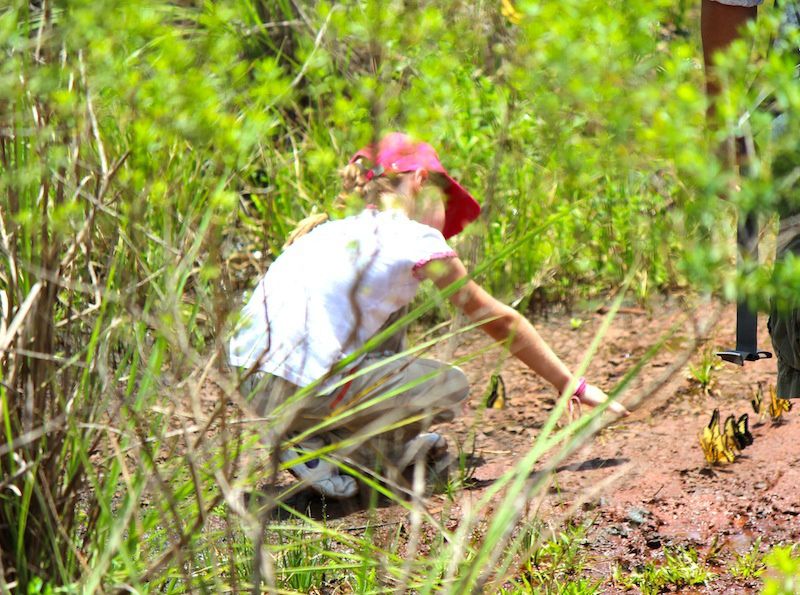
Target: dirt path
(664,496)
(667,496)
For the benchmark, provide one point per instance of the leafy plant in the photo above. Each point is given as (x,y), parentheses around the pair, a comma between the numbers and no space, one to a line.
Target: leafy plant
(554,565)
(680,568)
(749,564)
(782,571)
(703,373)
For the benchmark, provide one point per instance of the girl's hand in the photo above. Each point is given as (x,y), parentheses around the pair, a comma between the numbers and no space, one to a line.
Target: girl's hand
(593,396)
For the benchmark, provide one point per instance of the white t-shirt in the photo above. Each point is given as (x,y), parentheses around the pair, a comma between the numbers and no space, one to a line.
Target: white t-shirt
(331,291)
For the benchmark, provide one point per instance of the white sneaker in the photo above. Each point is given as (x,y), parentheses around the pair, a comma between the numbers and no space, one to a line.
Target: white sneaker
(320,475)
(428,445)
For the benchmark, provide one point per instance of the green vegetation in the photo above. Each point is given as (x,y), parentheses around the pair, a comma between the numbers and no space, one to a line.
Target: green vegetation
(749,564)
(783,571)
(155,155)
(703,373)
(555,565)
(680,568)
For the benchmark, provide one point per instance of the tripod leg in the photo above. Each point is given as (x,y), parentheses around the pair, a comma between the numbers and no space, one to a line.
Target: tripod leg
(746,318)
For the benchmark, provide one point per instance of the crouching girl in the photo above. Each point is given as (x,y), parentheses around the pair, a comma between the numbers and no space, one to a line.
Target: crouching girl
(334,288)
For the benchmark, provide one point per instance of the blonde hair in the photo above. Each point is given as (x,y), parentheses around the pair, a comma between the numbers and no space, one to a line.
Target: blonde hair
(304,226)
(381,188)
(355,181)
(370,189)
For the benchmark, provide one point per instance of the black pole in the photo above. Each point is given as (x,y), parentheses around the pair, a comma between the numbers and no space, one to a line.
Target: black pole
(746,319)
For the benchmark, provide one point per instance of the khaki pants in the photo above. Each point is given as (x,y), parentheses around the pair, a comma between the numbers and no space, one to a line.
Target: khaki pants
(382,408)
(784,319)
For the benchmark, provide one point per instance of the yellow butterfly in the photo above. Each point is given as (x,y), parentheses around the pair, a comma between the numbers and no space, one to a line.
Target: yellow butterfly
(508,10)
(757,401)
(776,407)
(496,395)
(737,432)
(716,447)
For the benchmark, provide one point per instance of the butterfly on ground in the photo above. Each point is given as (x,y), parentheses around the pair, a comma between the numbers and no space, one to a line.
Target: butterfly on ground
(716,447)
(737,432)
(776,407)
(496,394)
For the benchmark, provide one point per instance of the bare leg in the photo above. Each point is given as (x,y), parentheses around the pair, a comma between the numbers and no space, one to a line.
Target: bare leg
(720,24)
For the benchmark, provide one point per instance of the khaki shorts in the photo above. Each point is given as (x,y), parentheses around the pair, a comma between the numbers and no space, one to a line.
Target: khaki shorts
(393,399)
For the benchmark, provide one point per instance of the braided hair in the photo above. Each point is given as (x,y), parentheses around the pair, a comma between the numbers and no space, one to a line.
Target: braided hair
(357,180)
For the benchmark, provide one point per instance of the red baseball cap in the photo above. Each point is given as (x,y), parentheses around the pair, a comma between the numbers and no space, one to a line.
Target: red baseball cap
(399,153)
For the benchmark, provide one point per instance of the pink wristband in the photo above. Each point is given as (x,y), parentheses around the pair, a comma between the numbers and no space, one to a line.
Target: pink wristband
(581,389)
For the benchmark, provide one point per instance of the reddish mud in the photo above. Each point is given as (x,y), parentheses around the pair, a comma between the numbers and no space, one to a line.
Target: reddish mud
(665,495)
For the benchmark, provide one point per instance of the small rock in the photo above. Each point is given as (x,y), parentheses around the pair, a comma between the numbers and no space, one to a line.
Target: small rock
(592,504)
(621,530)
(638,515)
(653,542)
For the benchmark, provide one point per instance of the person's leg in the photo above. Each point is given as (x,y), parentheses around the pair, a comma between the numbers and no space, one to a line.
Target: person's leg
(389,392)
(267,394)
(379,416)
(784,323)
(784,320)
(721,24)
(391,403)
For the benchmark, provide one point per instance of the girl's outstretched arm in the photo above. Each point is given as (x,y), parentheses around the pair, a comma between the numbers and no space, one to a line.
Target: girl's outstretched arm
(503,323)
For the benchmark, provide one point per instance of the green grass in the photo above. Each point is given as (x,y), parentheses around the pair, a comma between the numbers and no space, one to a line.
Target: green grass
(703,374)
(679,568)
(148,150)
(783,571)
(555,565)
(750,564)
